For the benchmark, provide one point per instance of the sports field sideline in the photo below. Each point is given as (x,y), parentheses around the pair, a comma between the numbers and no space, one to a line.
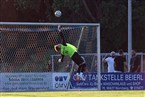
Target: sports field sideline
(75,94)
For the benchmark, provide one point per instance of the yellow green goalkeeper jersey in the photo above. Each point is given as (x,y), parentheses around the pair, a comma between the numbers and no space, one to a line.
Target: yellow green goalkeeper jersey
(68,49)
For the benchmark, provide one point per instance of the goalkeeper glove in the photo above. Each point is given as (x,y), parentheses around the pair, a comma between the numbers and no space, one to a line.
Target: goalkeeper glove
(59,29)
(59,60)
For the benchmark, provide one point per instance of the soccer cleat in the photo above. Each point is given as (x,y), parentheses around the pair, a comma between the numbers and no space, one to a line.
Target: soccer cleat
(81,76)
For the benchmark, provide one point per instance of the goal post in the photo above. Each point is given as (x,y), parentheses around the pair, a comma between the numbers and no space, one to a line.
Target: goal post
(27,47)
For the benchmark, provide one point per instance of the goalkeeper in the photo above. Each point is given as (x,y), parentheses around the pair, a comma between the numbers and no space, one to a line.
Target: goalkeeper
(67,49)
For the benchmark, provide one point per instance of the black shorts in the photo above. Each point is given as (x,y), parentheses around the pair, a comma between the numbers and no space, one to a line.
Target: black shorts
(77,58)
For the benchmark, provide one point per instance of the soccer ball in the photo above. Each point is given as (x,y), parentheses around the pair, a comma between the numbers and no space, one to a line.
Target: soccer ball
(58,13)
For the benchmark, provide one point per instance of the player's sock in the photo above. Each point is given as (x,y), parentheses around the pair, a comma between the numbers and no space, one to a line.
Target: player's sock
(77,77)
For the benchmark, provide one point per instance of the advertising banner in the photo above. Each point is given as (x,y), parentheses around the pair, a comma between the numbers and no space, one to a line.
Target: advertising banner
(60,81)
(89,81)
(123,81)
(110,81)
(25,81)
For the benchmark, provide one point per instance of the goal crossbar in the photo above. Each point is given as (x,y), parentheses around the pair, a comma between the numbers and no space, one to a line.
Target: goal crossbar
(33,23)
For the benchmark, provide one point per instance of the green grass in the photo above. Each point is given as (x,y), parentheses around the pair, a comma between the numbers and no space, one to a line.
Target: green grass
(75,94)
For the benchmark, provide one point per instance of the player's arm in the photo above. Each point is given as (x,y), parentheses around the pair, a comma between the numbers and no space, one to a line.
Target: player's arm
(62,36)
(104,59)
(61,59)
(138,68)
(138,62)
(126,66)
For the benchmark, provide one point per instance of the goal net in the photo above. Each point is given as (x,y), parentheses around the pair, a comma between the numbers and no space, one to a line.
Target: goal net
(29,47)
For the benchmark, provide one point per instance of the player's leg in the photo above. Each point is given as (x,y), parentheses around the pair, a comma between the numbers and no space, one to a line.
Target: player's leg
(82,67)
(81,63)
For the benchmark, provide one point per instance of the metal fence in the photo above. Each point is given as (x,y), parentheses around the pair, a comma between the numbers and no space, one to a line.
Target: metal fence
(54,66)
(139,54)
(91,61)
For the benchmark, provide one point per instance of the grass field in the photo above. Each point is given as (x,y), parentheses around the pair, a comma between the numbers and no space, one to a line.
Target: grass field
(75,94)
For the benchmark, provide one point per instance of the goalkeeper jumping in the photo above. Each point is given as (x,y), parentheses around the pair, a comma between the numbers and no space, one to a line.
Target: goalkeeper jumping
(67,49)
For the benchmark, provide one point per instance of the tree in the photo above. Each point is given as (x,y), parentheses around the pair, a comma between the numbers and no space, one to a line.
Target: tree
(138,25)
(111,14)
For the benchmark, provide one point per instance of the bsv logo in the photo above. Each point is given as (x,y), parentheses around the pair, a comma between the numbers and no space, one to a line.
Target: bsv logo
(60,78)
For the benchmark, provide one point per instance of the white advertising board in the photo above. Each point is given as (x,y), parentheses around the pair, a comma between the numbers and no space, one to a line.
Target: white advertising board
(25,81)
(60,81)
